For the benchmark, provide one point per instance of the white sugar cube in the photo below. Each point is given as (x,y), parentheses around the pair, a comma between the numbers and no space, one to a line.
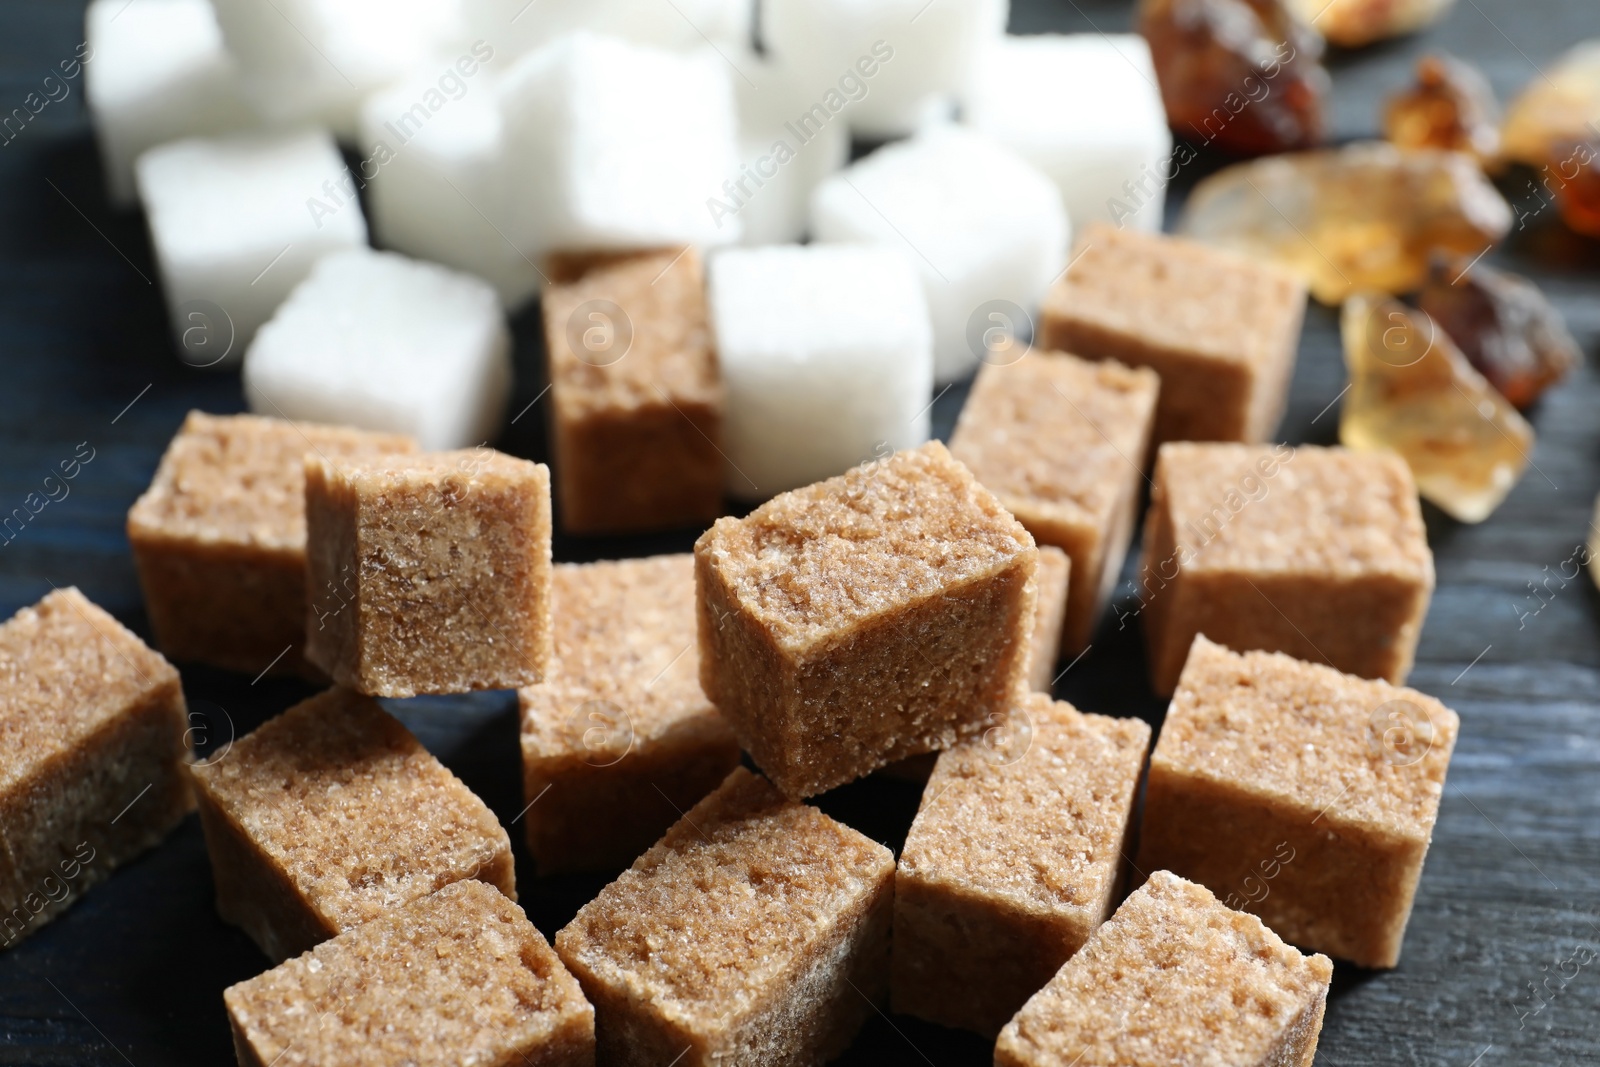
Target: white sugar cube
(782,156)
(382,342)
(316,60)
(236,223)
(617,145)
(984,228)
(889,60)
(517,26)
(827,359)
(159,73)
(1086,109)
(436,176)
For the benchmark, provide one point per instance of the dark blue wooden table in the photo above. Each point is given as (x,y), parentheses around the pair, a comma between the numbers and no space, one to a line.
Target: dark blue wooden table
(1502,961)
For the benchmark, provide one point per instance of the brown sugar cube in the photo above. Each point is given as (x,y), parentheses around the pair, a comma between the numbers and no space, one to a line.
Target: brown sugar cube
(1062,442)
(1012,861)
(1221,330)
(1052,579)
(1174,978)
(866,618)
(459,977)
(755,932)
(1050,608)
(92,748)
(621,740)
(1316,552)
(1301,794)
(636,396)
(332,814)
(219,538)
(429,574)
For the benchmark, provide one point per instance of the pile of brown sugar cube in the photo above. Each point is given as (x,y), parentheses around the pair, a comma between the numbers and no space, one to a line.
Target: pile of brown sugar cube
(1075,889)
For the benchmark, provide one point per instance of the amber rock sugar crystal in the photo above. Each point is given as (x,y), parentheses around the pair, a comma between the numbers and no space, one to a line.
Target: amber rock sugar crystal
(1450,105)
(1577,164)
(1558,108)
(1365,216)
(1412,392)
(1503,324)
(1244,75)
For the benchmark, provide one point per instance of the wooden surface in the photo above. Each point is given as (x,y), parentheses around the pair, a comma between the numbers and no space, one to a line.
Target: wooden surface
(1510,899)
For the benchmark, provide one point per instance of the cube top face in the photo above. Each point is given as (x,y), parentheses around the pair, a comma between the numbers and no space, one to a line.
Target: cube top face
(765,306)
(624,654)
(1034,812)
(352,808)
(1057,95)
(393,342)
(960,203)
(1172,972)
(1178,296)
(1345,751)
(1306,510)
(217,200)
(67,670)
(239,480)
(813,564)
(631,334)
(1058,439)
(460,976)
(717,909)
(389,480)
